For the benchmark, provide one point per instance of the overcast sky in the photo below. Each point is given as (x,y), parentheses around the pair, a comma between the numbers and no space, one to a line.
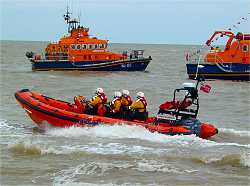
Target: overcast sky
(124,21)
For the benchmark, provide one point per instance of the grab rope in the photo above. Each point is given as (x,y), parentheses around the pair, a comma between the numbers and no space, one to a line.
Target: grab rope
(96,65)
(222,67)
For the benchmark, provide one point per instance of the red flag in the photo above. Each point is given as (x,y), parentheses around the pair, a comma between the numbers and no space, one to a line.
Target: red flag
(205,88)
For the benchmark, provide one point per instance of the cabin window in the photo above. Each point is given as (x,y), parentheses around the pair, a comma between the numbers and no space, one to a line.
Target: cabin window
(101,45)
(78,47)
(73,46)
(96,46)
(84,46)
(90,46)
(245,48)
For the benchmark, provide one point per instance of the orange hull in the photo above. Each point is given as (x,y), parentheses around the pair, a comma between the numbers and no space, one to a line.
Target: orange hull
(49,112)
(237,49)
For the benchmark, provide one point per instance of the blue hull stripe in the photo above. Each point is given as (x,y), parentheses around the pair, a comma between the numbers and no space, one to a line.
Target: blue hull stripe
(227,71)
(131,65)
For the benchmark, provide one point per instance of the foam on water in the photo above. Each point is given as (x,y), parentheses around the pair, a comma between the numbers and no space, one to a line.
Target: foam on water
(101,184)
(138,132)
(36,148)
(25,149)
(9,131)
(130,132)
(159,166)
(4,125)
(245,159)
(102,168)
(235,132)
(240,159)
(13,127)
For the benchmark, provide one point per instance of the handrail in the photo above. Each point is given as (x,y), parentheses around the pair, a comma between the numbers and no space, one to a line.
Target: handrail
(216,58)
(197,57)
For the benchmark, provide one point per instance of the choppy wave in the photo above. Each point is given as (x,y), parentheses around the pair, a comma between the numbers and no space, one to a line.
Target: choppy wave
(138,132)
(40,147)
(25,149)
(129,132)
(235,132)
(101,184)
(12,128)
(160,166)
(29,148)
(10,131)
(33,148)
(70,175)
(4,125)
(242,159)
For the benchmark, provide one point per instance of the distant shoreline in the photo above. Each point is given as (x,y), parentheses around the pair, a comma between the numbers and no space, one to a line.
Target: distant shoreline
(111,43)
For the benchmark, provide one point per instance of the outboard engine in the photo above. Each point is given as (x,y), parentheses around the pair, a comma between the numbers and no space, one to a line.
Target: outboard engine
(29,54)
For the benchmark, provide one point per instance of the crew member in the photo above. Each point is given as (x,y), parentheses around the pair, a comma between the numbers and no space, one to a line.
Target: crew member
(115,105)
(98,100)
(139,107)
(126,102)
(126,99)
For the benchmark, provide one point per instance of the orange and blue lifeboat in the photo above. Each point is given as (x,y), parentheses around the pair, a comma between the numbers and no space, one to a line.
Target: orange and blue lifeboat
(79,51)
(231,62)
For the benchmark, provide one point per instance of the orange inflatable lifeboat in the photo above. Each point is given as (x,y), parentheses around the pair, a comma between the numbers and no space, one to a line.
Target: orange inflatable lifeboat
(46,111)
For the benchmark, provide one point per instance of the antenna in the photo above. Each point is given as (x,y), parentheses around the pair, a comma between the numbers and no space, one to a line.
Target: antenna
(79,17)
(67,15)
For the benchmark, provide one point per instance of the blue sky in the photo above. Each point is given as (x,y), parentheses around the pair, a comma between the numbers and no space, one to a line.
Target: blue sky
(124,21)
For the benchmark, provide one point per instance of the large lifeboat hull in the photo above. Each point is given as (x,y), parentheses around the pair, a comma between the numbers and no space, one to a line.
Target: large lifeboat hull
(49,112)
(225,71)
(120,65)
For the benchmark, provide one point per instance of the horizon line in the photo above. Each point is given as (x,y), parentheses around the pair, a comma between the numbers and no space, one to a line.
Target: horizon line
(109,42)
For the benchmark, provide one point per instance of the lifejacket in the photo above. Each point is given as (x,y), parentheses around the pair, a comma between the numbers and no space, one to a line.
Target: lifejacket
(115,105)
(98,99)
(139,105)
(126,101)
(144,102)
(101,110)
(103,98)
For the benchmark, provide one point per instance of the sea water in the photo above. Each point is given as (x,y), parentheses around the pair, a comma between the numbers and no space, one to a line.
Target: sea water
(121,155)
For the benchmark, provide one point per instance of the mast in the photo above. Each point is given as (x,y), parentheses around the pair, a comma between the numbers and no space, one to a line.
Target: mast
(72,23)
(67,15)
